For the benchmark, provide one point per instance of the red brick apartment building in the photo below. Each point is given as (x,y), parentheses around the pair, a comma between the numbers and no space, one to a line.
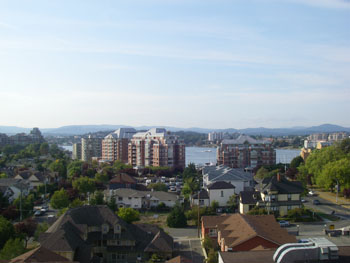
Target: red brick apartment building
(115,145)
(236,232)
(245,152)
(156,147)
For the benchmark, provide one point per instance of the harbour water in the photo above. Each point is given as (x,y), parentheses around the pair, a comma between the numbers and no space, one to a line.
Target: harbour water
(202,155)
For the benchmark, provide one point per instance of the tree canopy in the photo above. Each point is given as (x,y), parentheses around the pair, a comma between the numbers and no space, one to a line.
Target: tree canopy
(129,215)
(60,199)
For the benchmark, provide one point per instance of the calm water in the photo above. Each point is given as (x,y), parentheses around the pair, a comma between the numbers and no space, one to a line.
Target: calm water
(202,155)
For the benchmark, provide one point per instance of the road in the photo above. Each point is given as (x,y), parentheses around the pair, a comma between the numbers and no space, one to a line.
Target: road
(327,207)
(187,243)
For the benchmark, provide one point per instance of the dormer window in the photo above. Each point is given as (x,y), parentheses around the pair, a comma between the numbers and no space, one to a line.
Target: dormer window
(117,229)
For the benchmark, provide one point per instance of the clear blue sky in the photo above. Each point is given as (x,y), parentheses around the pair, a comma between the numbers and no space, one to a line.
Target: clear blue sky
(184,63)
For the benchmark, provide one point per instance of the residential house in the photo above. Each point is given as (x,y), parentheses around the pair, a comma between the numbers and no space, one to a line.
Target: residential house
(258,256)
(40,254)
(204,200)
(12,188)
(220,191)
(36,178)
(95,234)
(122,180)
(280,195)
(237,232)
(209,225)
(141,199)
(179,259)
(238,177)
(248,200)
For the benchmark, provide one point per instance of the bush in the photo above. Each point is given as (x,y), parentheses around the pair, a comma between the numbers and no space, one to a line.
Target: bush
(129,215)
(177,217)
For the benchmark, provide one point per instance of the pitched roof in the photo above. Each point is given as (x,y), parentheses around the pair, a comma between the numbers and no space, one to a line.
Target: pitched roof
(238,228)
(221,185)
(203,194)
(39,254)
(123,178)
(249,197)
(225,173)
(160,242)
(213,221)
(284,186)
(179,259)
(160,195)
(253,256)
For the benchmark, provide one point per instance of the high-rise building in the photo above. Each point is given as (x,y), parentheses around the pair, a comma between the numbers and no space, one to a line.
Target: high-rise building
(115,145)
(76,155)
(245,152)
(91,147)
(156,147)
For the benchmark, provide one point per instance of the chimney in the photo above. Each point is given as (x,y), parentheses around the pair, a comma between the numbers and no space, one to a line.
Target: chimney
(278,177)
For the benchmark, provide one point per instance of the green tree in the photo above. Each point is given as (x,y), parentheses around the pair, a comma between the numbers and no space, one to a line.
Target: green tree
(101,178)
(191,185)
(12,249)
(97,198)
(208,243)
(212,256)
(59,166)
(26,229)
(44,148)
(129,215)
(27,204)
(232,203)
(257,211)
(3,175)
(84,185)
(76,203)
(262,173)
(296,162)
(60,199)
(190,171)
(74,169)
(155,258)
(41,228)
(158,187)
(7,231)
(112,204)
(176,217)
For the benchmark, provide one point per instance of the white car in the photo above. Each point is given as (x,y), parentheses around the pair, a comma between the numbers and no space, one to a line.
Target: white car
(284,223)
(312,193)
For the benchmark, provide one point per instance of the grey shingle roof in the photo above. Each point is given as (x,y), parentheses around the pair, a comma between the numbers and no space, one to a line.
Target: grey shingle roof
(203,194)
(283,186)
(224,173)
(250,197)
(243,139)
(221,185)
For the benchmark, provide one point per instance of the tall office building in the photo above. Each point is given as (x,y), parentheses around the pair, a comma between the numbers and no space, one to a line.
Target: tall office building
(245,152)
(115,145)
(91,147)
(76,155)
(156,147)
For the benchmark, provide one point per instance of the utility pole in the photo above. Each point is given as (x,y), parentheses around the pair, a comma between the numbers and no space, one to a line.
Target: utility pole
(337,189)
(198,213)
(20,204)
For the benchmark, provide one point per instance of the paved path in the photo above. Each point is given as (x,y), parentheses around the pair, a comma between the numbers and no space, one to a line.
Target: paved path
(187,243)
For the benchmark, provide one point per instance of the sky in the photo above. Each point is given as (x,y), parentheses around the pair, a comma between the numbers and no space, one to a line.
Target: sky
(183,63)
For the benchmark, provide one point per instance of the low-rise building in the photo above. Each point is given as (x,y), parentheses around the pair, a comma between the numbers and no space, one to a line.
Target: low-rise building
(241,179)
(95,234)
(280,195)
(122,180)
(248,200)
(221,192)
(237,232)
(204,200)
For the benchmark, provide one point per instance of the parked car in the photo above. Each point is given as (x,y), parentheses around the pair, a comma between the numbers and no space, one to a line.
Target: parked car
(284,223)
(303,200)
(316,202)
(38,213)
(312,193)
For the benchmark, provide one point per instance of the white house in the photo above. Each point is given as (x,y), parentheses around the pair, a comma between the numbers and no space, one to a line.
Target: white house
(127,197)
(238,177)
(221,192)
(204,200)
(11,188)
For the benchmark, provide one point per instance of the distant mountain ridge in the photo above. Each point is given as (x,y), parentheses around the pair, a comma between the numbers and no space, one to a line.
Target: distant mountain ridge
(84,129)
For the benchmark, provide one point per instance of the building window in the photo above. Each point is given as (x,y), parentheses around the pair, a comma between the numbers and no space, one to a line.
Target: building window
(289,207)
(222,193)
(212,232)
(120,198)
(289,197)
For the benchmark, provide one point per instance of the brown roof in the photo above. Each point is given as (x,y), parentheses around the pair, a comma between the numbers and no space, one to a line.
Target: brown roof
(238,228)
(257,256)
(123,179)
(179,259)
(213,221)
(40,254)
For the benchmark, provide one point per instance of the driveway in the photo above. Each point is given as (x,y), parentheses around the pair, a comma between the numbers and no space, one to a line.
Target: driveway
(187,243)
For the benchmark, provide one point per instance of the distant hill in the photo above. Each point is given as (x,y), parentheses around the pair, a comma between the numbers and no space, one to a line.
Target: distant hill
(84,129)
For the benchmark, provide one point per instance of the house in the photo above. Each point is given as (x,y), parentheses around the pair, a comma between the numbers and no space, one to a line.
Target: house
(141,199)
(203,199)
(248,200)
(237,232)
(209,225)
(12,188)
(40,254)
(220,191)
(238,177)
(258,256)
(122,180)
(95,234)
(179,259)
(37,178)
(280,195)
